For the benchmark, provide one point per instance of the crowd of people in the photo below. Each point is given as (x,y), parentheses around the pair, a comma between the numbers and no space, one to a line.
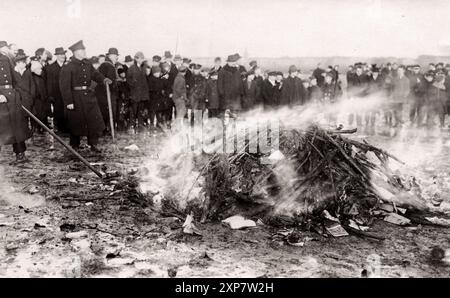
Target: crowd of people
(152,94)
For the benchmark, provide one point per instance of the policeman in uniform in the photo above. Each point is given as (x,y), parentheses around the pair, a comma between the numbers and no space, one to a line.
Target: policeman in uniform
(14,129)
(83,113)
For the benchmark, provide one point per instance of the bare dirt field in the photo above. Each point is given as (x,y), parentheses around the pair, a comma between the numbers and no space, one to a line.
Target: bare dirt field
(57,219)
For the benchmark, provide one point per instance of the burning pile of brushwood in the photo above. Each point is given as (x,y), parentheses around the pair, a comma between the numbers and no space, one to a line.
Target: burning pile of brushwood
(314,170)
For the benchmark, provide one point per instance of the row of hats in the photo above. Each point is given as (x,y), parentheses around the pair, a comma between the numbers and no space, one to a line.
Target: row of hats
(432,73)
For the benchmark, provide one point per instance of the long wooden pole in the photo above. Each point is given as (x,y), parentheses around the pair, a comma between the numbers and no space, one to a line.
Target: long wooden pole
(81,158)
(111,120)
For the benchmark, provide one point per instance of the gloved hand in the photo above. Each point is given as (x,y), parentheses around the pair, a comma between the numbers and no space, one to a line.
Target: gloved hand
(3,99)
(70,107)
(107,81)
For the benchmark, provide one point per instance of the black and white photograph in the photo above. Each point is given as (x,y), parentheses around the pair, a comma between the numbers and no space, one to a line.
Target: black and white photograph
(201,139)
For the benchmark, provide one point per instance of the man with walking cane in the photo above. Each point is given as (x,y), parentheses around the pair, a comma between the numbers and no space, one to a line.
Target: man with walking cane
(83,113)
(109,70)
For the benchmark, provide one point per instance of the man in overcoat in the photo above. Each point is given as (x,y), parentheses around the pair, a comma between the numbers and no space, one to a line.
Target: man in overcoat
(109,70)
(83,113)
(14,129)
(230,85)
(139,94)
(53,71)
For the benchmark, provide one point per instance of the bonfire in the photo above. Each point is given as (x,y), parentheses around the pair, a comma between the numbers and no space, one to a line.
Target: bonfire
(314,170)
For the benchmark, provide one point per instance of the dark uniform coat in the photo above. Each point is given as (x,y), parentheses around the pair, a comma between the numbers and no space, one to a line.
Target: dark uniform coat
(212,94)
(172,74)
(253,93)
(25,85)
(198,93)
(41,107)
(59,112)
(13,120)
(318,74)
(271,94)
(292,92)
(109,71)
(86,119)
(158,87)
(189,78)
(137,81)
(231,88)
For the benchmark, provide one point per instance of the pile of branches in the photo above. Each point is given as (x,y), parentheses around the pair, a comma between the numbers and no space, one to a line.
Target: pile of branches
(319,170)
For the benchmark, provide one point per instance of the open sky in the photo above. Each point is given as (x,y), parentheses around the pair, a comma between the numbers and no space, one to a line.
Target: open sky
(263,28)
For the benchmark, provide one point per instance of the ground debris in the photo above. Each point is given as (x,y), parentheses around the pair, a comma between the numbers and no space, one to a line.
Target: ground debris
(397,219)
(239,222)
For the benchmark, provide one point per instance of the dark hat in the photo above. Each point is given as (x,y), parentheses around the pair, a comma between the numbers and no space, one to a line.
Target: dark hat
(167,54)
(177,58)
(156,69)
(20,57)
(197,66)
(217,59)
(375,69)
(77,46)
(192,65)
(237,56)
(60,51)
(101,55)
(34,58)
(292,68)
(232,58)
(94,59)
(272,73)
(447,65)
(121,70)
(182,68)
(39,52)
(20,52)
(112,51)
(253,63)
(187,60)
(156,58)
(128,58)
(3,44)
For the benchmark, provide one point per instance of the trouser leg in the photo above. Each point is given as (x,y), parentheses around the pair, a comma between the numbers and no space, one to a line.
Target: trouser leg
(92,140)
(19,147)
(75,141)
